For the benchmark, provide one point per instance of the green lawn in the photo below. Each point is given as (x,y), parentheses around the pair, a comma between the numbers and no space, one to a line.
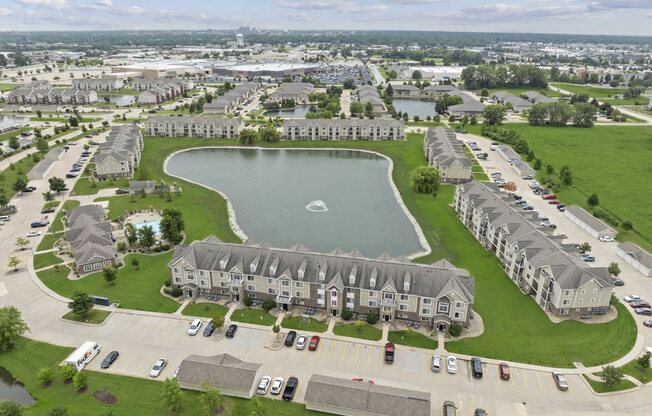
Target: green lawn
(134,289)
(600,387)
(13,133)
(136,396)
(628,101)
(367,332)
(48,241)
(45,259)
(253,316)
(312,326)
(592,92)
(519,91)
(612,161)
(412,338)
(84,186)
(8,87)
(96,316)
(205,310)
(633,369)
(57,224)
(51,204)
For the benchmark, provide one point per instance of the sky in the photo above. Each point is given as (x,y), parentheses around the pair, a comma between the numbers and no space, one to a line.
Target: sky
(609,17)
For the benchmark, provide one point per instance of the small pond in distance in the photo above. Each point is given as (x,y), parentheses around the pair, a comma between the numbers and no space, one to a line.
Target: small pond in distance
(413,107)
(10,389)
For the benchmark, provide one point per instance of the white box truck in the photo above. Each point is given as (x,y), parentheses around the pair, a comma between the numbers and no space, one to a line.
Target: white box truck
(83,355)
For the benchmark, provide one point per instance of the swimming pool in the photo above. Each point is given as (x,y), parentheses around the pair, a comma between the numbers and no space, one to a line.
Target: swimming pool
(152,223)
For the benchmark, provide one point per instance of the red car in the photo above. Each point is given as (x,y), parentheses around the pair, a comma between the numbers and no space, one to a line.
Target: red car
(639,304)
(553,202)
(314,343)
(504,371)
(389,353)
(360,379)
(550,196)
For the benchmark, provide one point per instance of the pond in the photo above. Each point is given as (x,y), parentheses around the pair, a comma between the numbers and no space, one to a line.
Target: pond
(321,198)
(10,389)
(300,111)
(421,108)
(119,100)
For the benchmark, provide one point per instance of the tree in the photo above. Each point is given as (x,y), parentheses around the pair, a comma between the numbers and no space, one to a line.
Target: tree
(248,136)
(510,186)
(172,225)
(135,263)
(614,269)
(425,179)
(474,120)
(417,75)
(110,274)
(44,376)
(42,145)
(455,329)
(494,114)
(210,398)
(565,175)
(644,361)
(80,380)
(146,237)
(171,394)
(392,74)
(4,199)
(611,375)
(372,317)
(48,196)
(270,134)
(358,324)
(22,242)
(521,146)
(81,304)
(554,73)
(559,113)
(585,115)
(593,200)
(356,108)
(257,408)
(218,321)
(585,246)
(13,143)
(131,233)
(268,304)
(9,408)
(12,327)
(389,90)
(537,114)
(368,109)
(57,184)
(19,185)
(14,262)
(58,411)
(67,372)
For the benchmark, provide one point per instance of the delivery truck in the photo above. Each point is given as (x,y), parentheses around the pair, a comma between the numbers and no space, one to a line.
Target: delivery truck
(82,355)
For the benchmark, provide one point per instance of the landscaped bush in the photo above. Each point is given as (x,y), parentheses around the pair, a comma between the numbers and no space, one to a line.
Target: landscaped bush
(455,330)
(157,249)
(165,247)
(347,315)
(269,304)
(174,292)
(248,301)
(167,283)
(122,246)
(372,317)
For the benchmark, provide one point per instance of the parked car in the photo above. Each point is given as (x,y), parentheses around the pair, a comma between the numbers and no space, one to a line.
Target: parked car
(435,363)
(230,331)
(517,197)
(121,191)
(561,207)
(496,175)
(639,304)
(648,323)
(290,388)
(606,239)
(480,412)
(631,298)
(264,384)
(33,233)
(110,359)
(47,211)
(643,311)
(521,202)
(289,339)
(476,367)
(526,177)
(314,343)
(560,380)
(553,202)
(301,342)
(528,208)
(588,258)
(505,374)
(176,372)
(617,282)
(448,409)
(26,191)
(158,367)
(194,327)
(277,385)
(210,328)
(390,350)
(493,147)
(451,364)
(73,170)
(71,175)
(37,224)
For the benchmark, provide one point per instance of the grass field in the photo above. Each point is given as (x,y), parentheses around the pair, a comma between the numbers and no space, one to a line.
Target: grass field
(134,288)
(253,316)
(83,186)
(96,317)
(48,241)
(367,332)
(13,133)
(51,204)
(312,326)
(633,369)
(8,87)
(600,387)
(204,310)
(592,92)
(45,259)
(519,91)
(57,224)
(136,396)
(412,339)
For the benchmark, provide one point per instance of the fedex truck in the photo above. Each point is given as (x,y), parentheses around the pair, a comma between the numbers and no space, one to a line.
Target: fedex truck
(83,355)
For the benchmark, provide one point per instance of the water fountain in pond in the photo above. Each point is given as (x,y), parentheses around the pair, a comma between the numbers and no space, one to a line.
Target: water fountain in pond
(317,206)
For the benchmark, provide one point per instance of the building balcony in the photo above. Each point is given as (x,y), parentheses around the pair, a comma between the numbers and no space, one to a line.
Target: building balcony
(388,302)
(235,282)
(284,299)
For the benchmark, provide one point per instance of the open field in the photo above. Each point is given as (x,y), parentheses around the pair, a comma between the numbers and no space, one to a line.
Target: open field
(518,91)
(8,87)
(84,186)
(592,92)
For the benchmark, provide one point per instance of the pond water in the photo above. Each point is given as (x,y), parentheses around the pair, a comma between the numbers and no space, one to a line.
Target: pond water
(119,99)
(321,198)
(12,390)
(300,111)
(421,108)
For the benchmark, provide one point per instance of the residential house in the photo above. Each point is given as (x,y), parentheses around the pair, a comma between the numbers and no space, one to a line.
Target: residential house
(90,237)
(518,104)
(589,223)
(119,155)
(189,126)
(558,281)
(343,129)
(97,84)
(438,294)
(640,259)
(445,152)
(297,91)
(469,107)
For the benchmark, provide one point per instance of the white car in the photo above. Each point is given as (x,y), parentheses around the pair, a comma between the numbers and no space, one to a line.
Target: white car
(301,342)
(606,239)
(158,367)
(631,298)
(451,364)
(33,233)
(194,327)
(277,386)
(176,372)
(263,386)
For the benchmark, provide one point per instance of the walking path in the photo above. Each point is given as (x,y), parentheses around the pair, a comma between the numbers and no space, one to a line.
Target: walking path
(182,306)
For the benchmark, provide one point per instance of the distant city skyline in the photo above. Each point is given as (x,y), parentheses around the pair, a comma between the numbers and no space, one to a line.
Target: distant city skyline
(608,17)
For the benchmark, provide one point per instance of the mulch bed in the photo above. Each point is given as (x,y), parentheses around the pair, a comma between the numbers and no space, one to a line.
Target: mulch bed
(105,397)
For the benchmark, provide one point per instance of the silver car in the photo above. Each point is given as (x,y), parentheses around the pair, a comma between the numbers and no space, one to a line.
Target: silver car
(277,386)
(451,364)
(263,386)
(301,342)
(158,367)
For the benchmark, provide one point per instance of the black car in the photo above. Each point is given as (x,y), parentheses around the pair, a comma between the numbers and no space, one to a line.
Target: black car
(33,188)
(289,339)
(517,197)
(208,331)
(37,224)
(480,412)
(230,332)
(113,355)
(290,388)
(476,367)
(71,175)
(26,190)
(47,211)
(617,282)
(121,191)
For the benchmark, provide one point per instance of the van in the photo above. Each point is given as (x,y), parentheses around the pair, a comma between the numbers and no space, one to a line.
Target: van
(435,363)
(476,367)
(4,217)
(80,358)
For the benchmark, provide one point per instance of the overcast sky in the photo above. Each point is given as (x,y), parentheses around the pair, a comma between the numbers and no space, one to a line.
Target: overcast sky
(629,17)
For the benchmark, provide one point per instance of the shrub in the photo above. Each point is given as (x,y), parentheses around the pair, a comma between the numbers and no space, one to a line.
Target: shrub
(58,411)
(455,330)
(627,225)
(80,380)
(157,249)
(167,283)
(165,247)
(269,304)
(347,315)
(174,292)
(248,301)
(372,317)
(122,246)
(67,372)
(45,375)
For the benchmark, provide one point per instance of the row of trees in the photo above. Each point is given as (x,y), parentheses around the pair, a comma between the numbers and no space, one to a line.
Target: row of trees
(559,113)
(267,134)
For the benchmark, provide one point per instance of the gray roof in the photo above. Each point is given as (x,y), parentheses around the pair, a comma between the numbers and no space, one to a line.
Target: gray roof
(536,97)
(510,98)
(361,396)
(122,143)
(221,370)
(198,120)
(443,148)
(469,104)
(637,253)
(587,218)
(405,87)
(299,90)
(41,167)
(55,152)
(89,234)
(138,185)
(440,88)
(509,152)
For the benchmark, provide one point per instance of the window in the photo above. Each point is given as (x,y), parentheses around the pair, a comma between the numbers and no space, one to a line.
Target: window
(426,311)
(402,307)
(298,284)
(592,300)
(459,315)
(442,308)
(201,273)
(176,270)
(221,274)
(176,279)
(563,312)
(270,281)
(372,294)
(459,305)
(567,292)
(334,302)
(582,291)
(426,301)
(404,297)
(565,302)
(251,287)
(285,283)
(203,283)
(222,284)
(578,309)
(106,262)
(595,291)
(581,300)
(372,304)
(251,278)
(190,276)
(298,294)
(271,291)
(285,293)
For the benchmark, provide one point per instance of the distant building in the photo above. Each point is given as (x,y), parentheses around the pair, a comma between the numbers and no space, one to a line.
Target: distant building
(90,237)
(188,126)
(239,40)
(445,152)
(589,223)
(405,90)
(6,123)
(518,104)
(536,97)
(297,91)
(97,84)
(119,156)
(232,99)
(41,92)
(155,91)
(369,94)
(343,129)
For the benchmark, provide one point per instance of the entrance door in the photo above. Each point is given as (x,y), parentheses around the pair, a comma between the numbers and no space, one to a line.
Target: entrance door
(440,327)
(188,293)
(334,312)
(285,307)
(387,318)
(236,297)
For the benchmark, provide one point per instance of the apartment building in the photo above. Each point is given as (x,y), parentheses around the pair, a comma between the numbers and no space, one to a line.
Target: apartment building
(189,126)
(406,90)
(445,152)
(533,258)
(343,129)
(97,84)
(90,237)
(369,94)
(232,99)
(155,91)
(119,156)
(438,294)
(41,92)
(297,91)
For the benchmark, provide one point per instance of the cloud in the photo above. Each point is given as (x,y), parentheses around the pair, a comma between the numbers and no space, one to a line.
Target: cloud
(620,4)
(337,5)
(5,12)
(50,4)
(130,11)
(298,17)
(510,11)
(105,3)
(415,1)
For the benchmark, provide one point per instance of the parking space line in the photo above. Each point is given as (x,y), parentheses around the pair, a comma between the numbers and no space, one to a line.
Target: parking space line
(171,325)
(129,363)
(355,360)
(484,370)
(369,356)
(539,378)
(330,356)
(498,373)
(321,344)
(524,377)
(344,352)
(128,321)
(569,387)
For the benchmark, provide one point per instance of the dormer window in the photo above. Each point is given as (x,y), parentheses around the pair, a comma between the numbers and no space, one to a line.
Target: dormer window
(222,264)
(406,286)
